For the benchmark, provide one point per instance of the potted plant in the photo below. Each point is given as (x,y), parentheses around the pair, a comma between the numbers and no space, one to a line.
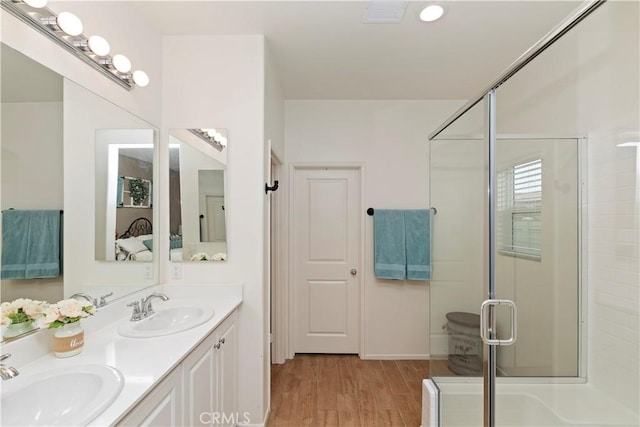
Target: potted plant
(64,316)
(18,315)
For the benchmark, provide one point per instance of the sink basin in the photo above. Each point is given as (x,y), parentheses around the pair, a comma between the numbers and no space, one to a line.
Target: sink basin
(167,321)
(70,396)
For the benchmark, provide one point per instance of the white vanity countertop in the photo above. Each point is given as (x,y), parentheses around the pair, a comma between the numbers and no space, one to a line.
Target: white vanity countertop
(144,361)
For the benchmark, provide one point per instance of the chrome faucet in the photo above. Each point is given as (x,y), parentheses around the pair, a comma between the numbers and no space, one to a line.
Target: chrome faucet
(103,300)
(89,298)
(97,302)
(7,372)
(143,308)
(145,304)
(136,314)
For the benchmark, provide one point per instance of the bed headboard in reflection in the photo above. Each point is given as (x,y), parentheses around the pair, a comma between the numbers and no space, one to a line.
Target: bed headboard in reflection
(136,243)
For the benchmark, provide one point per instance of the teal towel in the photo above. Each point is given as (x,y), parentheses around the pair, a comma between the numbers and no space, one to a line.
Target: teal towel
(389,244)
(418,243)
(30,244)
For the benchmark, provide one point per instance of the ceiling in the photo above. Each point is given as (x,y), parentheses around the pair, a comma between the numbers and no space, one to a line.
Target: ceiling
(323,50)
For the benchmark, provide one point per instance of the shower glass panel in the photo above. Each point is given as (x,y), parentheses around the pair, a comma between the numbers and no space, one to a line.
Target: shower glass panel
(459,193)
(567,179)
(537,254)
(540,185)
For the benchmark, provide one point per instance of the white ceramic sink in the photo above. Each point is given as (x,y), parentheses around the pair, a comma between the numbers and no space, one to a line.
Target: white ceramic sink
(71,396)
(167,321)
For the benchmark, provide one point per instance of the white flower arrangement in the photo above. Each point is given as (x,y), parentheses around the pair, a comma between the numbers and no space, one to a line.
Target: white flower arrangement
(219,256)
(21,310)
(64,312)
(200,256)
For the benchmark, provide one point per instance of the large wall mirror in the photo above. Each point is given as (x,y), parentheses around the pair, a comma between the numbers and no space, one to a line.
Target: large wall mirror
(197,212)
(52,131)
(124,195)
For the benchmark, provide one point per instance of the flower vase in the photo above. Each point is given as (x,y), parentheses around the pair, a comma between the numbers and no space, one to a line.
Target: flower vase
(68,340)
(16,329)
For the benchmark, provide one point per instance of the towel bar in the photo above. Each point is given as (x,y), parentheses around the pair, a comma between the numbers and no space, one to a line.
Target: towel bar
(370,211)
(13,209)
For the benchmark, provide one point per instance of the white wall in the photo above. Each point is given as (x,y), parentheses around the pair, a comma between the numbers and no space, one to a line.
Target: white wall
(274,106)
(389,138)
(219,81)
(32,177)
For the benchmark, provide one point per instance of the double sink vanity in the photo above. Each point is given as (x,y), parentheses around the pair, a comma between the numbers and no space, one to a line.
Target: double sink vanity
(176,365)
(173,364)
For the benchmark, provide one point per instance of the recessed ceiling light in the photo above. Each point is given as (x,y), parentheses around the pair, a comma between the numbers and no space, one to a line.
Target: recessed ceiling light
(431,13)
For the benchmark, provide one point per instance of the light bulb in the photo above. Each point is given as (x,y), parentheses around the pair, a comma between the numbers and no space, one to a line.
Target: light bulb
(140,78)
(431,13)
(99,45)
(121,63)
(211,132)
(36,3)
(223,141)
(69,23)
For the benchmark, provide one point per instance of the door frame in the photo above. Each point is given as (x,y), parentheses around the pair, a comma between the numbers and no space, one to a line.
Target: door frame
(290,292)
(278,288)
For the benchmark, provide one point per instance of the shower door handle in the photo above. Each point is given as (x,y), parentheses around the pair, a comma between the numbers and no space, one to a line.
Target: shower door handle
(485,323)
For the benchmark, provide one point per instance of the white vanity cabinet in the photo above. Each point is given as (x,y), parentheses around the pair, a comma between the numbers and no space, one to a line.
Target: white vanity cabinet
(209,378)
(161,407)
(201,391)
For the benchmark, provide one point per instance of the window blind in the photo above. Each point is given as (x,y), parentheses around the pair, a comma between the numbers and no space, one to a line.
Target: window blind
(519,209)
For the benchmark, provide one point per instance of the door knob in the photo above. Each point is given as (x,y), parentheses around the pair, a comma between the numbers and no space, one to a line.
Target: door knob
(353,272)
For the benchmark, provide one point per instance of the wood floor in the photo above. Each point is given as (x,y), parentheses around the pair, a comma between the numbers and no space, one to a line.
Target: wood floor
(343,390)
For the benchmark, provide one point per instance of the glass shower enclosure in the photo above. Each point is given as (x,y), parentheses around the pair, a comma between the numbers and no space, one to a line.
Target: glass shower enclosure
(535,270)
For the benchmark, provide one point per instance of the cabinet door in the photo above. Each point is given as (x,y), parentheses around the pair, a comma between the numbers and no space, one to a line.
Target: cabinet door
(200,384)
(162,407)
(227,358)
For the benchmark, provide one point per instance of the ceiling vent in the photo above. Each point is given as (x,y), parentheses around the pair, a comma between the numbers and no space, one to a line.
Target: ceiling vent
(384,11)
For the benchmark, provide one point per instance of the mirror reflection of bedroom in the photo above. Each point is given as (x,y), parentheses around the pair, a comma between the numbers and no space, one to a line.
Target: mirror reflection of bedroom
(124,188)
(197,163)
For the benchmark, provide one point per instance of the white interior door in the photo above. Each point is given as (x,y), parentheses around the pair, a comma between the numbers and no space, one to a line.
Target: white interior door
(326,212)
(216,230)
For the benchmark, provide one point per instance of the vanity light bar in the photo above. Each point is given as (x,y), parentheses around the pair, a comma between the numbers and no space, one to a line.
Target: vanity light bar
(65,29)
(211,137)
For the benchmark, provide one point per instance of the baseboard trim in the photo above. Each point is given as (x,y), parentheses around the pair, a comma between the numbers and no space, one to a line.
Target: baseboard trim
(395,357)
